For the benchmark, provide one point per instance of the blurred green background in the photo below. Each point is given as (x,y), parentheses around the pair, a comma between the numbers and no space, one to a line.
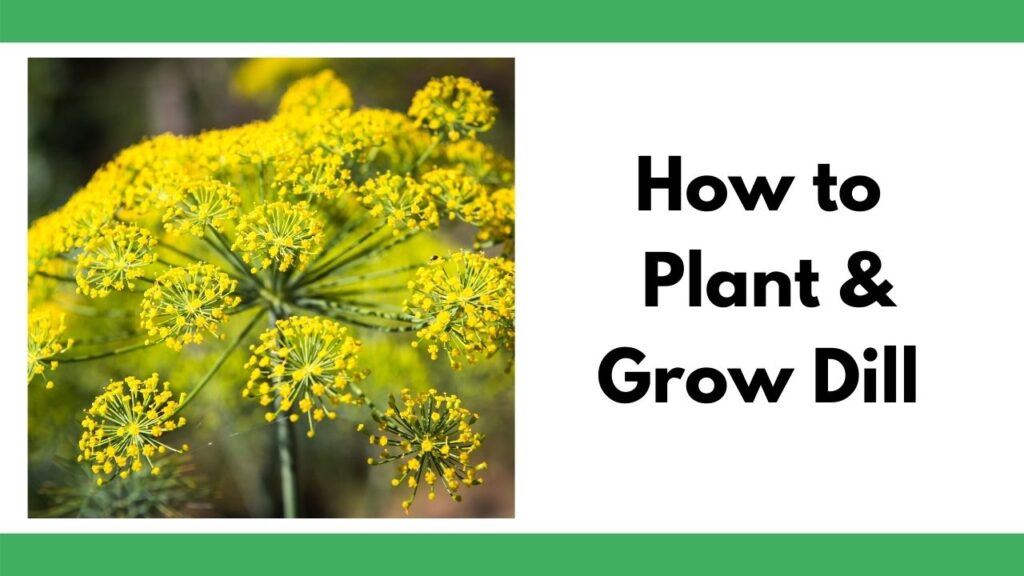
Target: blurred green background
(81,113)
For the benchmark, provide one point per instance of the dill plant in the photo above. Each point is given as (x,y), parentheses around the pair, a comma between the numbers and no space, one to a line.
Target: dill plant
(283,228)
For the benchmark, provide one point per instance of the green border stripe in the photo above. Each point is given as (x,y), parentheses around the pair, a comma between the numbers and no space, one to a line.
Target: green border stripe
(511,21)
(177,554)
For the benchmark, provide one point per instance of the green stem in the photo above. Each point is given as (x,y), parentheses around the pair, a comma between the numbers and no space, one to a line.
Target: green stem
(345,280)
(229,254)
(54,276)
(426,153)
(369,252)
(114,352)
(353,309)
(220,361)
(289,489)
(286,456)
(366,400)
(326,265)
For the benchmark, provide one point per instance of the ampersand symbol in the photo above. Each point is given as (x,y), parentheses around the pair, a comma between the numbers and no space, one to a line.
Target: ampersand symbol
(859,277)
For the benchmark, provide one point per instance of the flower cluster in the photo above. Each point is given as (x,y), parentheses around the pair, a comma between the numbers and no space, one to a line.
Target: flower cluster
(500,227)
(453,107)
(114,259)
(124,428)
(320,92)
(431,439)
(403,202)
(45,331)
(315,218)
(459,196)
(202,204)
(318,174)
(304,362)
(279,235)
(185,303)
(465,305)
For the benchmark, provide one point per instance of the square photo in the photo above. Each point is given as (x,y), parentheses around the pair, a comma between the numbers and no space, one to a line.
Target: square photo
(273,287)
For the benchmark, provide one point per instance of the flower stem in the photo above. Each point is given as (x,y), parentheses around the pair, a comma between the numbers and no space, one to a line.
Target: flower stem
(113,352)
(220,361)
(289,489)
(286,454)
(426,153)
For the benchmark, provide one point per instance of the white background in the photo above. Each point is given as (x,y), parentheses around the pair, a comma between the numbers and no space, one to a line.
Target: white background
(938,126)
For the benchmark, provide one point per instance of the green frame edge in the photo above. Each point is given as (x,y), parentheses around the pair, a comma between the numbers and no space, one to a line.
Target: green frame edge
(792,554)
(512,21)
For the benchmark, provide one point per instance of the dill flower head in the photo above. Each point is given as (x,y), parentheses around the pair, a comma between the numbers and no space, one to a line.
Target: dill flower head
(319,173)
(262,143)
(404,203)
(502,222)
(124,428)
(46,239)
(45,329)
(186,303)
(480,161)
(387,140)
(323,92)
(459,195)
(464,305)
(281,234)
(85,216)
(201,204)
(305,364)
(144,175)
(453,107)
(430,437)
(114,259)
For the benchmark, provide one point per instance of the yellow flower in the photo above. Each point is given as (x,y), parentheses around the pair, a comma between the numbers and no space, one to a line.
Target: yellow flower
(46,240)
(124,428)
(45,329)
(86,215)
(452,107)
(279,234)
(316,174)
(261,144)
(464,304)
(144,176)
(476,159)
(458,195)
(114,260)
(202,204)
(431,439)
(501,224)
(304,365)
(185,303)
(404,204)
(316,93)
